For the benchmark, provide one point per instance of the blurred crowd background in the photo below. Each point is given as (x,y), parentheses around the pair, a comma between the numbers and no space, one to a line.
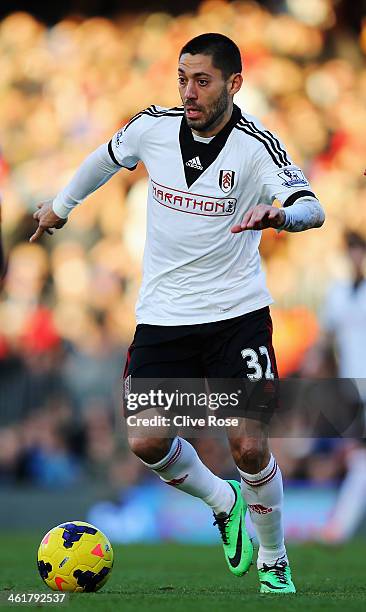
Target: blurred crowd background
(67,303)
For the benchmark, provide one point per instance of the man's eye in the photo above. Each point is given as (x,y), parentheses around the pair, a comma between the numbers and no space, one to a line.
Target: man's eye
(202,82)
(181,80)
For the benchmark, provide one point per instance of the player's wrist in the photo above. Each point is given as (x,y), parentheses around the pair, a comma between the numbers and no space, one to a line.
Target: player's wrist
(59,208)
(281,219)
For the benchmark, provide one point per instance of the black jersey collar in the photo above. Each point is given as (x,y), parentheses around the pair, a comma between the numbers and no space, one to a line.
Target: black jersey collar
(198,156)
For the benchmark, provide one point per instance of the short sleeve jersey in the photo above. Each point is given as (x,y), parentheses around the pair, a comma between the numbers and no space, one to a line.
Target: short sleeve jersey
(195,270)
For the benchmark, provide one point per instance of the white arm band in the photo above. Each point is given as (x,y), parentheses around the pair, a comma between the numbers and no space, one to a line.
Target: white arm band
(94,171)
(304,214)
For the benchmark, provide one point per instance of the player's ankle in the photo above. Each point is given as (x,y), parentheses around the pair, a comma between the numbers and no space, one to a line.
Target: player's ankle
(271,556)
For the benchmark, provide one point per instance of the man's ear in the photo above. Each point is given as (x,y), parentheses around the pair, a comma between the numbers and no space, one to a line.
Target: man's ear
(235,83)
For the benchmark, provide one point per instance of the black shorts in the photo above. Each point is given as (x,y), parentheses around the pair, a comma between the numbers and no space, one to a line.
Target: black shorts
(238,348)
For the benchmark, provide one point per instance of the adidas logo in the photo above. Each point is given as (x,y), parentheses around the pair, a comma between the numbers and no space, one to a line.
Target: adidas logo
(195,163)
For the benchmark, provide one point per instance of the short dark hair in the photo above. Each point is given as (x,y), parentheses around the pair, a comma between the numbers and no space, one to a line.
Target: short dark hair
(224,52)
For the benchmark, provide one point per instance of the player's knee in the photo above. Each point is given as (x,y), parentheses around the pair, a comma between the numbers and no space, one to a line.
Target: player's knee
(250,455)
(150,450)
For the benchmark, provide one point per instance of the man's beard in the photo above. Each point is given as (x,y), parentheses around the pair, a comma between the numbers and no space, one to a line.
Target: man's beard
(213,116)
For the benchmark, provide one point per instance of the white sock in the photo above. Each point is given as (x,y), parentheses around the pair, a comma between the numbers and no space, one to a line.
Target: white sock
(183,469)
(351,501)
(263,493)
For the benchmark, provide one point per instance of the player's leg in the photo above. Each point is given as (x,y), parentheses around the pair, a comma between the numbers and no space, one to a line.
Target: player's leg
(262,489)
(177,463)
(244,351)
(160,353)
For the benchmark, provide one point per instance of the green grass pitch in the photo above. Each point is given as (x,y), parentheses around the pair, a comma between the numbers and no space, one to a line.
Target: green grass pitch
(177,578)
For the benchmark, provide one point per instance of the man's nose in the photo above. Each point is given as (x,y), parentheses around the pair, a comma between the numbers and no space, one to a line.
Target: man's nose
(191,91)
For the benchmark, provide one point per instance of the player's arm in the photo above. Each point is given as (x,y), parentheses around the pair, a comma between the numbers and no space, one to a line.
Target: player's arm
(260,217)
(301,210)
(305,213)
(95,171)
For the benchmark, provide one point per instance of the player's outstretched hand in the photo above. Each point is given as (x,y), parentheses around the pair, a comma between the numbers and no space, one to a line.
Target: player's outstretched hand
(47,220)
(260,217)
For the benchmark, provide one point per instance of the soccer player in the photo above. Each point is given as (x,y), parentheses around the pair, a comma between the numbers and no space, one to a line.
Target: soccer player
(203,308)
(347,335)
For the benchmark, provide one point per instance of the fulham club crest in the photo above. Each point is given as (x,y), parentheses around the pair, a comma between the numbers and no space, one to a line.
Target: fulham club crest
(226,180)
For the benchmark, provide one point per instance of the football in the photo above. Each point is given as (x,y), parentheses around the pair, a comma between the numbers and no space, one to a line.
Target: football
(75,556)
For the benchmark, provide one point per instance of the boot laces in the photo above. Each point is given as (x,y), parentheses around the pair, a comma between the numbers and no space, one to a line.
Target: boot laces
(222,523)
(278,570)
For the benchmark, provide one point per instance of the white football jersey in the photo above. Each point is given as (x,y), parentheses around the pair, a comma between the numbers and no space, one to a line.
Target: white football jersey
(344,315)
(195,270)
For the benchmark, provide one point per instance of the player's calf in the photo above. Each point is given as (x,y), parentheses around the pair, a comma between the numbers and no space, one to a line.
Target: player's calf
(179,465)
(150,450)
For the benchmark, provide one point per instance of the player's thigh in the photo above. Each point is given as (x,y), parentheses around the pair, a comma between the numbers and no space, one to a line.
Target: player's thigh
(242,361)
(242,348)
(163,351)
(160,366)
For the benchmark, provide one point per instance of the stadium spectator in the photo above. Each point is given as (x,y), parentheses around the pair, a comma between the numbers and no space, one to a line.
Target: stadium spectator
(2,255)
(344,321)
(344,313)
